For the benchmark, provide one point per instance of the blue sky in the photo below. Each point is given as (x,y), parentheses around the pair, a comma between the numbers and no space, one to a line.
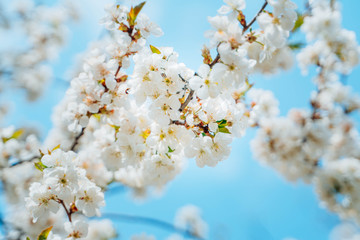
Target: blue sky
(240,199)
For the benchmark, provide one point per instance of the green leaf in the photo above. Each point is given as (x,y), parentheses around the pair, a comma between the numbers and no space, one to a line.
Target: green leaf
(298,23)
(170,150)
(15,135)
(115,127)
(154,49)
(224,130)
(222,123)
(44,234)
(134,12)
(40,166)
(123,27)
(27,238)
(222,126)
(296,46)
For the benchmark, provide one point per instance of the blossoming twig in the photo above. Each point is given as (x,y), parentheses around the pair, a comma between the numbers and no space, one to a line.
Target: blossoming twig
(254,19)
(77,139)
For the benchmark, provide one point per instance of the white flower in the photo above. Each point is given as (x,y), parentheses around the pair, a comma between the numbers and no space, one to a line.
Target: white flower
(282,7)
(59,158)
(234,69)
(209,151)
(274,32)
(204,84)
(101,229)
(114,16)
(89,200)
(232,6)
(76,229)
(189,217)
(40,201)
(163,109)
(147,27)
(61,182)
(337,185)
(160,169)
(265,105)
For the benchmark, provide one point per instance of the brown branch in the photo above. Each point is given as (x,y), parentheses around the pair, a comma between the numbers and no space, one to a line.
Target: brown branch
(68,212)
(117,71)
(25,161)
(254,19)
(215,60)
(177,122)
(187,101)
(76,141)
(151,221)
(191,94)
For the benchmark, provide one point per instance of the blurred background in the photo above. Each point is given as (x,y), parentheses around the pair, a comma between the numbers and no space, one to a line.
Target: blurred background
(239,198)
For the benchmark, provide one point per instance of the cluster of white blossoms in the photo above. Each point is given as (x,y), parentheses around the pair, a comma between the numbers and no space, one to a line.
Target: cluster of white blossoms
(138,128)
(64,185)
(133,114)
(143,125)
(321,145)
(17,144)
(345,231)
(41,32)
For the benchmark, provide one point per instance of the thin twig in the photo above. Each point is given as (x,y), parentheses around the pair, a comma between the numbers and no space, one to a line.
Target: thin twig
(188,99)
(217,58)
(4,72)
(68,212)
(254,19)
(25,161)
(117,71)
(76,141)
(151,221)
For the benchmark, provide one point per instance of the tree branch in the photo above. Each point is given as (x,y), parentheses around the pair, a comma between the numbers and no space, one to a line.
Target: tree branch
(188,99)
(254,19)
(24,161)
(151,221)
(76,141)
(217,58)
(68,212)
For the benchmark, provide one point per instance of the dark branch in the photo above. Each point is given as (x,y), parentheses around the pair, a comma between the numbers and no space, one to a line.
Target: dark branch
(76,141)
(217,58)
(188,99)
(254,19)
(151,221)
(68,212)
(25,161)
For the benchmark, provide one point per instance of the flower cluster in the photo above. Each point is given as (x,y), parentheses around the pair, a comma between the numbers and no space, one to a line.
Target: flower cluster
(133,113)
(17,145)
(142,125)
(42,30)
(320,146)
(64,185)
